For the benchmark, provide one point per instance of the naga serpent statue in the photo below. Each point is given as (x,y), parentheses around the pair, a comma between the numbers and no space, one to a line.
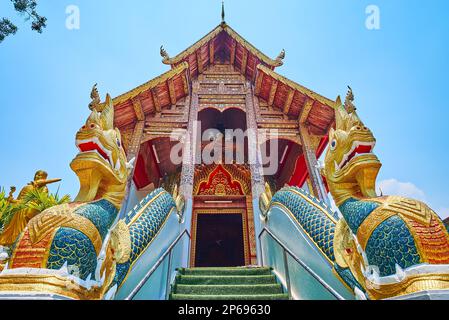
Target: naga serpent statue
(82,250)
(383,246)
(392,245)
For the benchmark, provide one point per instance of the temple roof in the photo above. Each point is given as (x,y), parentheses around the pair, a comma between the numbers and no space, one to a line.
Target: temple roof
(223,44)
(150,97)
(295,100)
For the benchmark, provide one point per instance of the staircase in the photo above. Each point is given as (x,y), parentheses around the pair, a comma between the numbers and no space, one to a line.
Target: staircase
(226,284)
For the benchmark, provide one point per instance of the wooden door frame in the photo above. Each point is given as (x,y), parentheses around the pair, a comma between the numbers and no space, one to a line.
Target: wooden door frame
(215,210)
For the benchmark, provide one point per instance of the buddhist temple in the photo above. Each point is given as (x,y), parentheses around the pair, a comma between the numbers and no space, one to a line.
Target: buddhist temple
(204,183)
(222,81)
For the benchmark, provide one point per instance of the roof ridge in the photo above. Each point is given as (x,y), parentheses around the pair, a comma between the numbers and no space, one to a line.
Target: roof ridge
(223,26)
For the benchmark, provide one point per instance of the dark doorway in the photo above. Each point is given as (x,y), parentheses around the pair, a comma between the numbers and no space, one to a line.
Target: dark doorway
(219,240)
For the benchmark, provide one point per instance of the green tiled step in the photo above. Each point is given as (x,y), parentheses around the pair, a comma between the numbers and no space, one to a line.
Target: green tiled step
(243,283)
(204,280)
(226,271)
(281,296)
(228,289)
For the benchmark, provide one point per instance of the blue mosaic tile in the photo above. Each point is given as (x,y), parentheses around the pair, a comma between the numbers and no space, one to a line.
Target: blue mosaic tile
(392,243)
(101,213)
(145,228)
(317,224)
(75,248)
(355,212)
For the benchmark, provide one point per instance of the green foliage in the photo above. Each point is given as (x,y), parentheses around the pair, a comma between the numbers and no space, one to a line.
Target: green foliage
(26,8)
(7,209)
(37,200)
(41,201)
(6,28)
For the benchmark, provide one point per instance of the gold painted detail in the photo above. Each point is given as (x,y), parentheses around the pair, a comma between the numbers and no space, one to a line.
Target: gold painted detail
(32,200)
(391,206)
(413,284)
(239,174)
(121,242)
(179,200)
(345,251)
(48,284)
(265,200)
(371,223)
(51,220)
(410,208)
(102,169)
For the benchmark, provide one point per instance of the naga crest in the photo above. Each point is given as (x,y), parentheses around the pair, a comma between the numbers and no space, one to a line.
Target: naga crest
(101,162)
(350,162)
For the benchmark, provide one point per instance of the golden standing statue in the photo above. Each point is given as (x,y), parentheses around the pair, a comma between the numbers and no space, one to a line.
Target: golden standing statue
(21,217)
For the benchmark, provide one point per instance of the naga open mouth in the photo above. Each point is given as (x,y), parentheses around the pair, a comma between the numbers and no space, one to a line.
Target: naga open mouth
(94,145)
(358,149)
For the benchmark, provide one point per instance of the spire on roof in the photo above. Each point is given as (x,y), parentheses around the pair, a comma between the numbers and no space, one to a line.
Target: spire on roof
(222,12)
(280,58)
(164,54)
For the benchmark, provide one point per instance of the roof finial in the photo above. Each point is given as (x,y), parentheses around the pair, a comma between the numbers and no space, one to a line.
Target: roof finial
(349,101)
(280,57)
(222,12)
(164,54)
(93,105)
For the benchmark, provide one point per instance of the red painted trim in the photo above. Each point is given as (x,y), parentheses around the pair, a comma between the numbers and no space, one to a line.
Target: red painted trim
(300,174)
(322,146)
(289,149)
(154,159)
(140,174)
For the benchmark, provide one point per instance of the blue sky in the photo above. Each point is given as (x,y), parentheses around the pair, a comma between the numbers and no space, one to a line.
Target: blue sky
(398,74)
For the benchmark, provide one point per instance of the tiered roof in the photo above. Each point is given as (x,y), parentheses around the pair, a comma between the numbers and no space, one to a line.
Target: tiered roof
(223,45)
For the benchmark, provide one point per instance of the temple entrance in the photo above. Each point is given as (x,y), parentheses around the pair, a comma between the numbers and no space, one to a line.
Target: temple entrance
(222,219)
(219,239)
(222,215)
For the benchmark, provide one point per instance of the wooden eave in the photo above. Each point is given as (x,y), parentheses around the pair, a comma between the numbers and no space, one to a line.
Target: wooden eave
(223,41)
(295,100)
(152,96)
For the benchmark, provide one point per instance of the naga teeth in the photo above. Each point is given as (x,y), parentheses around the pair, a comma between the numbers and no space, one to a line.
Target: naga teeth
(117,165)
(100,145)
(336,166)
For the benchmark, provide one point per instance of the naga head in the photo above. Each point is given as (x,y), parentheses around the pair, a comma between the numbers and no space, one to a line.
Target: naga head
(101,162)
(351,167)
